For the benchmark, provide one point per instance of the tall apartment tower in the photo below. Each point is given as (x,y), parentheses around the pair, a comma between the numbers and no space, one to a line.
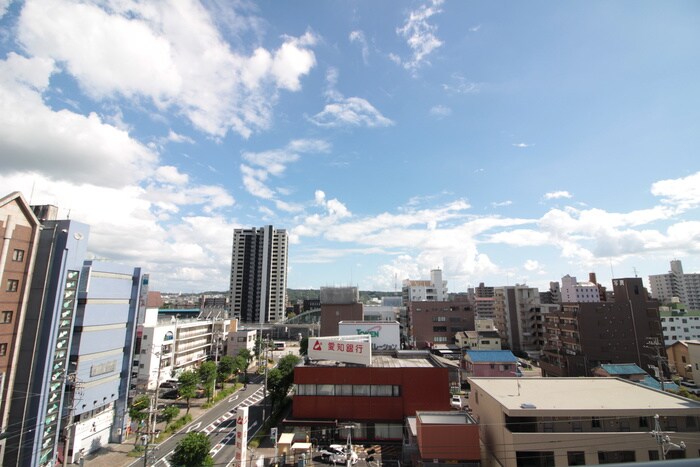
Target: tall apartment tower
(19,232)
(676,283)
(259,274)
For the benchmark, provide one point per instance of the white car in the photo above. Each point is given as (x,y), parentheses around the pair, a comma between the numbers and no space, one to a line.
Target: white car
(456,402)
(336,454)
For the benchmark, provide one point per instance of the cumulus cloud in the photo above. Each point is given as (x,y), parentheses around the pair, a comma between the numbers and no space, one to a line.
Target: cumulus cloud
(557,195)
(168,54)
(531,265)
(63,145)
(683,192)
(420,34)
(347,111)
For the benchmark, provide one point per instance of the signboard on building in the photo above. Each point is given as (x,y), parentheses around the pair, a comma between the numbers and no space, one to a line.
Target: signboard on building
(241,451)
(385,335)
(349,349)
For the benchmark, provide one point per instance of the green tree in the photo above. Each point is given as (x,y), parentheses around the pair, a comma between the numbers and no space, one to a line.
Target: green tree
(227,367)
(139,411)
(280,379)
(304,346)
(188,386)
(207,375)
(169,414)
(248,357)
(193,451)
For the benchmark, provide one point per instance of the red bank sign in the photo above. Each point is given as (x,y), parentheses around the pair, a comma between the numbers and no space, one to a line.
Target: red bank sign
(349,349)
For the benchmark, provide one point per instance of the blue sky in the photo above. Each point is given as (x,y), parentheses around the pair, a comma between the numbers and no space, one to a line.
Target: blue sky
(504,142)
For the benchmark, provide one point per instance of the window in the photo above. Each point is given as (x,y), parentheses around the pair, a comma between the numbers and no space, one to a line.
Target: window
(439,328)
(613,457)
(654,455)
(576,457)
(18,255)
(643,422)
(3,350)
(595,422)
(12,285)
(360,390)
(7,317)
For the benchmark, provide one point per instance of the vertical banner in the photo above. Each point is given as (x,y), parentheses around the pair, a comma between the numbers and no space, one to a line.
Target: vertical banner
(241,453)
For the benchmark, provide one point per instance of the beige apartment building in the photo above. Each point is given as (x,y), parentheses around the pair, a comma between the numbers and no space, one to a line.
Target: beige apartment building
(580,421)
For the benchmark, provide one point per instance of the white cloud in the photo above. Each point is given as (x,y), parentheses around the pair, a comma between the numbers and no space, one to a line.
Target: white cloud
(350,111)
(522,145)
(346,111)
(557,195)
(178,138)
(460,85)
(170,174)
(531,265)
(440,111)
(475,28)
(420,35)
(63,145)
(166,53)
(260,166)
(359,37)
(682,192)
(501,204)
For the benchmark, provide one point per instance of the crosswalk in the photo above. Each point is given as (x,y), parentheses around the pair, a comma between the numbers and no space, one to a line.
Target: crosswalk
(253,399)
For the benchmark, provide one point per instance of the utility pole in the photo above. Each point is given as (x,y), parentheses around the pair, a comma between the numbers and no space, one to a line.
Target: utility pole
(153,411)
(663,440)
(348,447)
(77,391)
(265,386)
(654,344)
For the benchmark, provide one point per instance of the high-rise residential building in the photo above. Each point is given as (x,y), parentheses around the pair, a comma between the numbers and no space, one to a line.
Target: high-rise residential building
(37,408)
(518,316)
(676,283)
(19,234)
(72,372)
(433,290)
(584,335)
(258,291)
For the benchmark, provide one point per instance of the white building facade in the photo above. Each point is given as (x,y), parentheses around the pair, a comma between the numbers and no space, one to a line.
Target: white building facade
(675,283)
(433,290)
(578,292)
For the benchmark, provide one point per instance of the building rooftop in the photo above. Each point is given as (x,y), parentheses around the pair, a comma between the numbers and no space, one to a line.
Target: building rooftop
(622,369)
(445,418)
(491,356)
(405,359)
(533,396)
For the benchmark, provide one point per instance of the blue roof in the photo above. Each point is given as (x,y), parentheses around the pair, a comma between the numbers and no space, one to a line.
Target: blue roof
(622,369)
(491,356)
(654,384)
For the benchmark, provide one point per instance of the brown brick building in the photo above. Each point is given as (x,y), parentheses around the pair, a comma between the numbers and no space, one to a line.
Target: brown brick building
(437,323)
(582,336)
(19,230)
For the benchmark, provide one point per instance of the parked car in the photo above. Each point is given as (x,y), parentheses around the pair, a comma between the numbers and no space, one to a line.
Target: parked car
(456,402)
(336,454)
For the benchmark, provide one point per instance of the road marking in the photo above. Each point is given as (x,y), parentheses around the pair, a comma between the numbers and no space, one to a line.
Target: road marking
(194,427)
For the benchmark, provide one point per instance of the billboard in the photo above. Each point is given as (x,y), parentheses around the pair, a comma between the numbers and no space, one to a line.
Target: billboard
(349,349)
(385,334)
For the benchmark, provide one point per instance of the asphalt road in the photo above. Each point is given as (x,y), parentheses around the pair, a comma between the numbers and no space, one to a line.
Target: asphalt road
(218,423)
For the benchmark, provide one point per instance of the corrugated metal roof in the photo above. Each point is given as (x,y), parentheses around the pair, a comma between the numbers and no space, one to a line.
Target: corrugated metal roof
(491,356)
(622,369)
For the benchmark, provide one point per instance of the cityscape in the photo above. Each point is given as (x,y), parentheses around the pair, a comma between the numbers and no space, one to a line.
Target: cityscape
(420,233)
